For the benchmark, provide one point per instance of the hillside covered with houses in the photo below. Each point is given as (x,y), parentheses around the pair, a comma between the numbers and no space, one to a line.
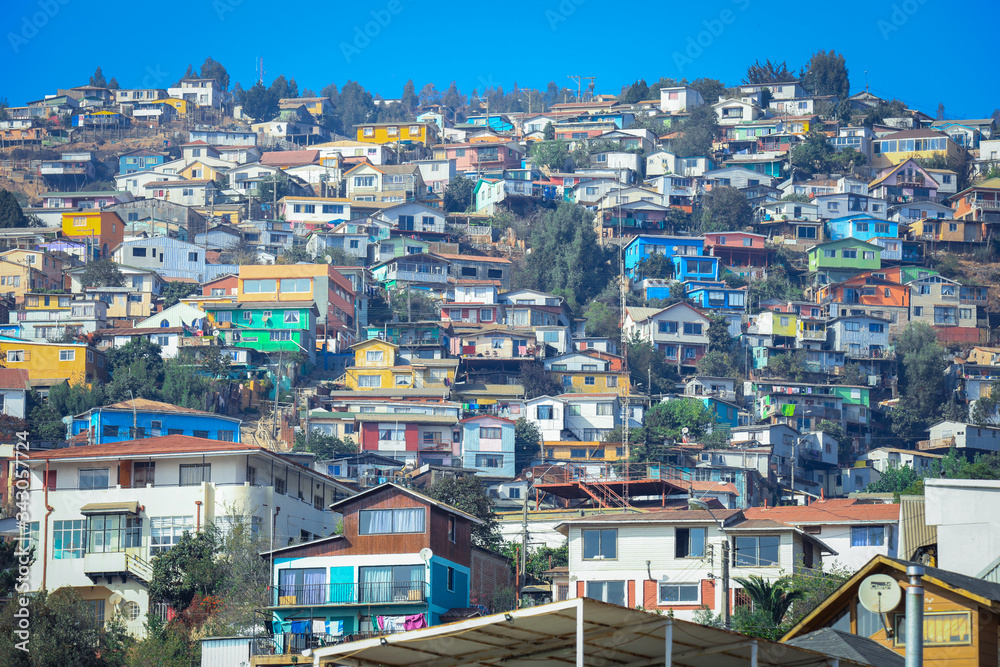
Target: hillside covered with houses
(283,370)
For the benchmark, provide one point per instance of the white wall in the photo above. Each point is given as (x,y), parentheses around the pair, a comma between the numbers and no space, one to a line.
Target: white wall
(968,526)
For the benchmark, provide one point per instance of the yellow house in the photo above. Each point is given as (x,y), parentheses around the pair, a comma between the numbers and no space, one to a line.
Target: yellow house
(375,367)
(181,106)
(565,450)
(593,382)
(901,146)
(47,270)
(102,230)
(49,364)
(198,170)
(391,133)
(770,323)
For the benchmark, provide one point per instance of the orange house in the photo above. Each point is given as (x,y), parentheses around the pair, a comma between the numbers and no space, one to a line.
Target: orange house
(102,231)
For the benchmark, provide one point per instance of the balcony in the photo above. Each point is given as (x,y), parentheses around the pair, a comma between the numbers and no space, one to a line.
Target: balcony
(98,566)
(988,204)
(812,335)
(311,595)
(936,443)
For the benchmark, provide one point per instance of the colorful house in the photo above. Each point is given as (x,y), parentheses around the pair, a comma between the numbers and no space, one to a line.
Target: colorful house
(139,160)
(287,326)
(412,438)
(49,364)
(716,295)
(981,202)
(695,268)
(103,231)
(847,253)
(904,182)
(392,133)
(142,418)
(897,147)
(488,446)
(680,331)
(738,248)
(375,367)
(642,247)
(402,562)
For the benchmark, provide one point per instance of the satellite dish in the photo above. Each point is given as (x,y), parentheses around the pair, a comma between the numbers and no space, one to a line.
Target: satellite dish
(529,475)
(115,599)
(684,430)
(879,593)
(426,554)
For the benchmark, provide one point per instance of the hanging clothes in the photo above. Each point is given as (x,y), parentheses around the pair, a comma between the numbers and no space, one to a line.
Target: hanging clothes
(415,622)
(392,623)
(301,627)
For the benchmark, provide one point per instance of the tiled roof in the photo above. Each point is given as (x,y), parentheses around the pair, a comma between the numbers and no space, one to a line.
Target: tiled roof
(839,510)
(167,444)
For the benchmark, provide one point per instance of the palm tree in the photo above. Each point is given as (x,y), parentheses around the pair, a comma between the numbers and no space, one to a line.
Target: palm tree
(773,599)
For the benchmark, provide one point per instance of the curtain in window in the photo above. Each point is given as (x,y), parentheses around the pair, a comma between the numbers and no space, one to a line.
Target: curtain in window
(286,583)
(374,522)
(376,584)
(314,589)
(409,521)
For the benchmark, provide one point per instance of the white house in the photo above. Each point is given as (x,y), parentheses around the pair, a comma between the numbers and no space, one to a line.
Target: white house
(733,112)
(884,458)
(101,513)
(200,92)
(303,212)
(678,99)
(197,193)
(14,389)
(679,331)
(968,529)
(947,434)
(135,183)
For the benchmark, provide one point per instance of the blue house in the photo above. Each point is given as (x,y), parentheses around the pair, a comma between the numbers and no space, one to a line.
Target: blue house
(716,295)
(488,446)
(401,562)
(695,268)
(642,247)
(143,418)
(139,160)
(862,227)
(725,412)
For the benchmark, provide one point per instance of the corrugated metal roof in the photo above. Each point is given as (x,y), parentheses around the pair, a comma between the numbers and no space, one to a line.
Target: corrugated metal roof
(914,532)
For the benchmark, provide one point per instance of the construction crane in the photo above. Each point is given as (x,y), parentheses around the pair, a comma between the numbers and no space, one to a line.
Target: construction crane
(579,85)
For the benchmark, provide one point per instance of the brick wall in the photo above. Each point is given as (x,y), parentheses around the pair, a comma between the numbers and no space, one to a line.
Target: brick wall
(490,573)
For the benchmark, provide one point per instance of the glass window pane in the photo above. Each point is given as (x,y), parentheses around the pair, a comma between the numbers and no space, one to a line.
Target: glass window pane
(609,543)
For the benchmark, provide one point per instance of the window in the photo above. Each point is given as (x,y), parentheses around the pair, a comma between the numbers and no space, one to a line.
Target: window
(573,410)
(291,317)
(612,592)
(391,434)
(143,473)
(940,628)
(485,315)
(281,335)
(94,478)
(451,579)
(668,327)
(605,409)
(829,253)
(868,254)
(757,551)
(195,473)
(138,252)
(68,539)
(370,381)
(489,433)
(489,460)
(265,286)
(849,254)
(692,328)
(296,285)
(279,485)
(867,536)
(589,380)
(200,434)
(451,529)
(600,544)
(15,356)
(965,313)
(67,355)
(679,593)
(364,181)
(386,521)
(113,533)
(689,542)
(543,412)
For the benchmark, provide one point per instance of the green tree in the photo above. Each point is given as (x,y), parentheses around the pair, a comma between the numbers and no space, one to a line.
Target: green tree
(549,133)
(526,443)
(816,585)
(355,106)
(922,362)
(11,213)
(603,320)
(413,305)
(771,598)
(817,155)
(635,93)
(97,79)
(458,196)
(717,363)
(826,74)
(166,645)
(9,566)
(698,131)
(711,90)
(102,273)
(210,69)
(777,286)
(281,88)
(768,72)
(553,154)
(259,103)
(136,371)
(537,381)
(648,364)
(853,374)
(379,310)
(63,632)
(188,571)
(565,256)
(725,209)
(323,445)
(789,365)
(174,291)
(656,267)
(667,420)
(273,188)
(410,100)
(895,480)
(719,338)
(468,494)
(984,410)
(182,386)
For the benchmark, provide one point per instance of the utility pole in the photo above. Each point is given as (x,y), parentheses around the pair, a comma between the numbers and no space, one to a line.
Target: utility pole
(794,444)
(524,549)
(725,579)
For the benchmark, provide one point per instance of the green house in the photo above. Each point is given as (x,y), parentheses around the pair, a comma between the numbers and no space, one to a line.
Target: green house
(847,253)
(273,326)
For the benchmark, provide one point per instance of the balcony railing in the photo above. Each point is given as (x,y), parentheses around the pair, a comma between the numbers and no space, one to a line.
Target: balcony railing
(812,335)
(936,443)
(349,594)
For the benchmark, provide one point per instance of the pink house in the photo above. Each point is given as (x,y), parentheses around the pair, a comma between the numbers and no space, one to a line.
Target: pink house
(738,248)
(480,155)
(905,182)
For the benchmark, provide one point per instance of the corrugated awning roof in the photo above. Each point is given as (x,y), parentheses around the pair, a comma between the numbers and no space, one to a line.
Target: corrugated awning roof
(127,507)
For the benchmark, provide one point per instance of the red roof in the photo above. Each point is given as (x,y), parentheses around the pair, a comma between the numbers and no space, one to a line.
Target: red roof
(837,510)
(166,444)
(13,378)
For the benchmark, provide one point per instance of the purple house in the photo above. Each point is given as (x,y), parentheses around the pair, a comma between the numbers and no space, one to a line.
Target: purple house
(84,200)
(904,182)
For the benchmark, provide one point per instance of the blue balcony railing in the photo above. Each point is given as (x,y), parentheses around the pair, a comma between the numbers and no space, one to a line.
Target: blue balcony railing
(349,594)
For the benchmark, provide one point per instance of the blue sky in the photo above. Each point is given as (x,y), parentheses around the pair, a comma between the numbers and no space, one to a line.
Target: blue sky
(904,45)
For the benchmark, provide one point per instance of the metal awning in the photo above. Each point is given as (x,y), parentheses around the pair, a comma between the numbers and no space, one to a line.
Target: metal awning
(127,507)
(577,632)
